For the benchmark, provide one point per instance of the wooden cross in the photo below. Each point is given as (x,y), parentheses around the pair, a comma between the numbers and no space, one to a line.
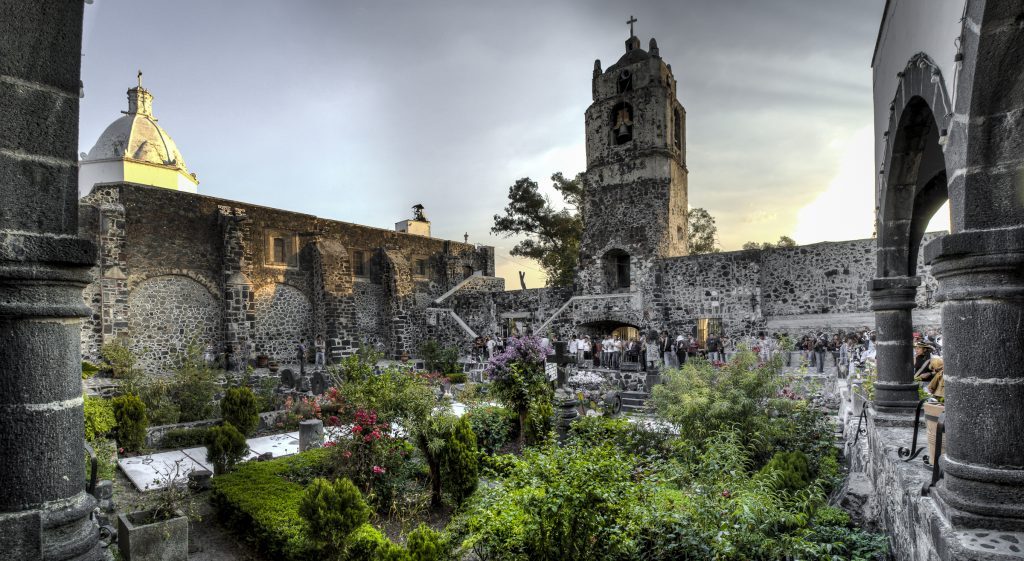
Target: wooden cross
(631,21)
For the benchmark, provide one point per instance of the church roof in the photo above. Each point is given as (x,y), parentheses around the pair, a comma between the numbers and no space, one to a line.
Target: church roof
(633,54)
(136,136)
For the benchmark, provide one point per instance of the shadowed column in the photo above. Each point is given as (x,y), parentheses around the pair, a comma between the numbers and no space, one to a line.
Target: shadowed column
(892,300)
(44,510)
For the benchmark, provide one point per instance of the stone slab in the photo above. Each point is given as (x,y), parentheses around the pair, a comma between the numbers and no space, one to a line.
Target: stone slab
(143,470)
(278,444)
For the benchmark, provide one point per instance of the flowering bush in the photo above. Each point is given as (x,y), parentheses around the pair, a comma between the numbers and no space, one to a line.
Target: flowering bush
(518,378)
(371,457)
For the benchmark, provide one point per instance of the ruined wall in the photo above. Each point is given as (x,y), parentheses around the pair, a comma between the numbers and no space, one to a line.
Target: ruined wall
(719,285)
(166,315)
(283,316)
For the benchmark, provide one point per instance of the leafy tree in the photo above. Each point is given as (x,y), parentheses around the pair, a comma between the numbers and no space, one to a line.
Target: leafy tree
(552,236)
(703,234)
(784,241)
(518,379)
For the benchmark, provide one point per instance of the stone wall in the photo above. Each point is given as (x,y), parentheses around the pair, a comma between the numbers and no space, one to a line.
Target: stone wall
(267,277)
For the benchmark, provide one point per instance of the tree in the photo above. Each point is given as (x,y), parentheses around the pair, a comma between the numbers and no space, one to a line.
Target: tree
(552,236)
(703,235)
(784,241)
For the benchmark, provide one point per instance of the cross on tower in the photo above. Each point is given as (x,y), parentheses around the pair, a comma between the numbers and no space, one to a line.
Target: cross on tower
(631,21)
(140,78)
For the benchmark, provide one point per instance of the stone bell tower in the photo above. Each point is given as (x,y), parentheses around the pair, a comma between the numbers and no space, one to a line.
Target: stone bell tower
(634,204)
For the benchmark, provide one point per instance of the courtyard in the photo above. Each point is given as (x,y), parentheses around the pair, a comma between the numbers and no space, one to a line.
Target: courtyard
(243,364)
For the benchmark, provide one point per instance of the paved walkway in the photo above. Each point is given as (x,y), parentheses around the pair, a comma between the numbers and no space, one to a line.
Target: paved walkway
(150,472)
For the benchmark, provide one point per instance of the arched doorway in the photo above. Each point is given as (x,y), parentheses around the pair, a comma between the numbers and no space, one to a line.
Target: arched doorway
(912,187)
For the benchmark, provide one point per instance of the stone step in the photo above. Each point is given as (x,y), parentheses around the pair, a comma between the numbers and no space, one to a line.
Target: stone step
(634,402)
(633,408)
(634,395)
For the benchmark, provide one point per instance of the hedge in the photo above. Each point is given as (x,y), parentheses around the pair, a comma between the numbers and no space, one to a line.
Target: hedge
(260,501)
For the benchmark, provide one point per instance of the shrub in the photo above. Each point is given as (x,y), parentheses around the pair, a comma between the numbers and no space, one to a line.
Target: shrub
(184,438)
(457,378)
(130,415)
(99,417)
(518,378)
(155,392)
(332,512)
(260,501)
(118,359)
(374,460)
(225,447)
(437,358)
(89,370)
(492,425)
(366,543)
(425,544)
(647,444)
(460,471)
(194,387)
(790,470)
(240,408)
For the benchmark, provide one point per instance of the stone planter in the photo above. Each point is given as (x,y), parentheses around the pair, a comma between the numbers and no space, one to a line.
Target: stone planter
(273,366)
(262,361)
(166,540)
(931,422)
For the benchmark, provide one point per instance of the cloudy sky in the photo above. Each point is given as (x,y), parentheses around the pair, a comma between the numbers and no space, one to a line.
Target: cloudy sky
(356,110)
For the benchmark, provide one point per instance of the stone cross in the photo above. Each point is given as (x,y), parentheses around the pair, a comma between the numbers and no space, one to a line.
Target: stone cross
(631,21)
(561,358)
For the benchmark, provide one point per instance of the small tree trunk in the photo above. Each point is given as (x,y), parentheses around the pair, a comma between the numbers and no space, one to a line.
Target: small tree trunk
(435,482)
(522,428)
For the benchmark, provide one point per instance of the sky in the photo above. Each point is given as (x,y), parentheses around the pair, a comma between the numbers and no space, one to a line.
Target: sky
(356,110)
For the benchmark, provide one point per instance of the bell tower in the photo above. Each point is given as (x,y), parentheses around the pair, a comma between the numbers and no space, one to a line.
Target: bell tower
(634,203)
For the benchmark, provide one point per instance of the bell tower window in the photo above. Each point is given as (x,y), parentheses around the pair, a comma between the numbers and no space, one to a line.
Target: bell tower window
(616,270)
(677,129)
(625,82)
(622,123)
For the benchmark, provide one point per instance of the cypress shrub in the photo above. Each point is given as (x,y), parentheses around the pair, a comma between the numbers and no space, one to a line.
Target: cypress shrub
(791,468)
(240,408)
(130,414)
(425,544)
(332,511)
(459,465)
(225,447)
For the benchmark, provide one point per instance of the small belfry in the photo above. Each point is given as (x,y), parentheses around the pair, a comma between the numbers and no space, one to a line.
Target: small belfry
(135,149)
(635,200)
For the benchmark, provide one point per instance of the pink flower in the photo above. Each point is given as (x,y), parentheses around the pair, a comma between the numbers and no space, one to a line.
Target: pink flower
(357,429)
(332,420)
(329,444)
(377,470)
(347,454)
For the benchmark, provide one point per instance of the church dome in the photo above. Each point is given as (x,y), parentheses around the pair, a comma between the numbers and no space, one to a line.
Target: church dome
(137,149)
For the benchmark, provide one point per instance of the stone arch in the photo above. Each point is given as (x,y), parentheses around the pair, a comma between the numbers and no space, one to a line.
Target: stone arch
(168,313)
(284,315)
(913,179)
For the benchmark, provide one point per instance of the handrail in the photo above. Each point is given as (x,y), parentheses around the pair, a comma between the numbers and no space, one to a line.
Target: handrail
(908,454)
(458,287)
(465,327)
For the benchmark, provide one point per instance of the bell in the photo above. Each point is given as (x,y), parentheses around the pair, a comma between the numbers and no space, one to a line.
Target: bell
(622,134)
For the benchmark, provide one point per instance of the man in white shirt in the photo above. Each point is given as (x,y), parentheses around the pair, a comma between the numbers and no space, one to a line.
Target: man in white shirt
(490,346)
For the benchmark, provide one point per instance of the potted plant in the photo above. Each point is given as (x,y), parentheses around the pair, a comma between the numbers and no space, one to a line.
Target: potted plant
(262,360)
(160,530)
(272,365)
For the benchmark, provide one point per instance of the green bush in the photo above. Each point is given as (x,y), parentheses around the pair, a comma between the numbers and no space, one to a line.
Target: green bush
(240,408)
(194,387)
(425,544)
(790,470)
(130,415)
(225,447)
(367,543)
(640,441)
(89,370)
(118,359)
(332,512)
(437,358)
(460,471)
(155,392)
(260,501)
(457,378)
(492,425)
(99,417)
(184,438)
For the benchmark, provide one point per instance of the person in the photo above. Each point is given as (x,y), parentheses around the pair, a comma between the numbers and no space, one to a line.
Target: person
(574,347)
(764,351)
(653,353)
(300,354)
(922,358)
(320,347)
(680,348)
(665,348)
(937,387)
(713,349)
(820,346)
(490,344)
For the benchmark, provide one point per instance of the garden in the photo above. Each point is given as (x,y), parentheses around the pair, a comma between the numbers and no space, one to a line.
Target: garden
(728,463)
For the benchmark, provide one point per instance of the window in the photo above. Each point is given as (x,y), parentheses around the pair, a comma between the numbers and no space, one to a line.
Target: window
(420,267)
(616,270)
(280,255)
(677,129)
(625,82)
(359,263)
(622,123)
(467,271)
(281,248)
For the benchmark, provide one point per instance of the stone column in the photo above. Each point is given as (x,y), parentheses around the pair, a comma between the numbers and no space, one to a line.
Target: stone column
(44,510)
(981,283)
(893,300)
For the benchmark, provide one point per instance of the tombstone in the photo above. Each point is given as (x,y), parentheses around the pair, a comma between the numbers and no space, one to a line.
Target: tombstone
(318,382)
(565,412)
(287,378)
(200,480)
(311,434)
(304,384)
(265,457)
(561,359)
(104,494)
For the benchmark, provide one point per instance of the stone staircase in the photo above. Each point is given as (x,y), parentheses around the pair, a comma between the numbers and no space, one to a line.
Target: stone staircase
(634,402)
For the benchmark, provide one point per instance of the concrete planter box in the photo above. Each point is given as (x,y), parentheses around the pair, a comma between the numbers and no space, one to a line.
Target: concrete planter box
(166,540)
